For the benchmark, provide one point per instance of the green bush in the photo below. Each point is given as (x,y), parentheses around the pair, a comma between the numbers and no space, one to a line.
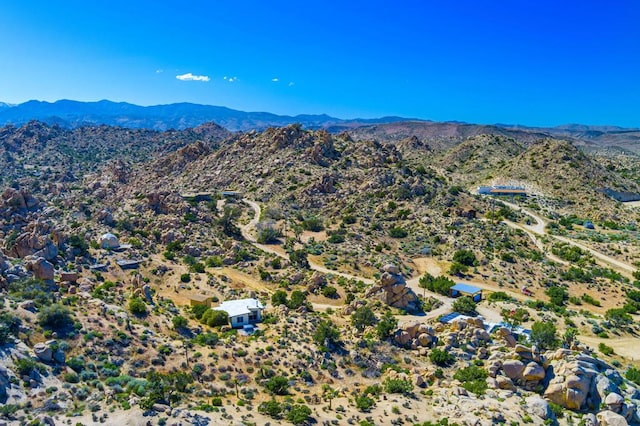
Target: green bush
(55,317)
(473,379)
(364,403)
(199,310)
(271,408)
(298,414)
(215,318)
(185,278)
(404,387)
(441,357)
(441,285)
(362,318)
(464,305)
(137,306)
(179,322)
(606,350)
(633,374)
(499,296)
(465,257)
(543,335)
(398,232)
(268,235)
(277,385)
(330,292)
(313,224)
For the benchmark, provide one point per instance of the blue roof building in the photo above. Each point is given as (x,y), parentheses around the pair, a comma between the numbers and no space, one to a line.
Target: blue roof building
(461,289)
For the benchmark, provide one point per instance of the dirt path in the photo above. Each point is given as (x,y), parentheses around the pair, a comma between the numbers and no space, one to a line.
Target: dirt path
(247,229)
(623,346)
(540,229)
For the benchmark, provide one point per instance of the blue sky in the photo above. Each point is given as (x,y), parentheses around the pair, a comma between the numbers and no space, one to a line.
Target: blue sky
(493,61)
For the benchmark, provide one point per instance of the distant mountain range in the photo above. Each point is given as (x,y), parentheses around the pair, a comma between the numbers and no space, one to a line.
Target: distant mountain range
(179,116)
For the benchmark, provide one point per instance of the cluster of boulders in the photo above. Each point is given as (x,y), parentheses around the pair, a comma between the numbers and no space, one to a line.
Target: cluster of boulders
(49,352)
(393,290)
(415,335)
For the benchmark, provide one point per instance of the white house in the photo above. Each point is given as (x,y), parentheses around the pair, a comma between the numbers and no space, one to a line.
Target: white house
(242,312)
(109,241)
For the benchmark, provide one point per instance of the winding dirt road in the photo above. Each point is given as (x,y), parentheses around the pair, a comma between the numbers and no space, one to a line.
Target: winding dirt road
(539,229)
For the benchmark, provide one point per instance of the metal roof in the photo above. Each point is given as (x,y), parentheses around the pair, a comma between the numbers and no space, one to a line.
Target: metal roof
(466,288)
(239,307)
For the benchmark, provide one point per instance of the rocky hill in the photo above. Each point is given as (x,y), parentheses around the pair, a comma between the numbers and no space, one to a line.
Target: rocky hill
(351,244)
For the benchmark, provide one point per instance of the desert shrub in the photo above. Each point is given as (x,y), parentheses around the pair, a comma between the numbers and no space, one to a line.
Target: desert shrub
(299,258)
(557,295)
(326,334)
(31,289)
(215,318)
(312,223)
(298,298)
(137,306)
(362,318)
(618,317)
(633,374)
(268,235)
(330,292)
(387,324)
(465,257)
(199,310)
(473,379)
(179,322)
(206,339)
(26,366)
(590,300)
(499,296)
(185,278)
(543,335)
(440,285)
(214,261)
(277,385)
(606,350)
(298,414)
(404,387)
(398,232)
(271,408)
(9,327)
(441,357)
(464,305)
(55,317)
(279,297)
(364,402)
(197,267)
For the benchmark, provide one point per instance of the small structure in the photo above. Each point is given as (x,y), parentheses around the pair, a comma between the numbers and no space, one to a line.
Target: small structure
(588,225)
(109,241)
(197,196)
(200,300)
(462,289)
(243,311)
(498,190)
(128,263)
(71,277)
(231,194)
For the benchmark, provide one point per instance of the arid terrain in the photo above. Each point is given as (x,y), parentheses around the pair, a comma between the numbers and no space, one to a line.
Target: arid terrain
(351,240)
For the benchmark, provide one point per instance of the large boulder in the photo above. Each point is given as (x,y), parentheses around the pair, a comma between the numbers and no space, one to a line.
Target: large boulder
(42,269)
(539,407)
(609,418)
(533,372)
(43,352)
(392,290)
(614,402)
(513,368)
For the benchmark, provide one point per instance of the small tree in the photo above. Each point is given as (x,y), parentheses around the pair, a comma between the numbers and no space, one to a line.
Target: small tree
(329,393)
(543,335)
(387,324)
(362,318)
(465,257)
(277,385)
(271,408)
(55,317)
(179,322)
(464,305)
(441,357)
(298,414)
(326,335)
(298,298)
(137,306)
(268,235)
(618,317)
(215,318)
(279,297)
(299,258)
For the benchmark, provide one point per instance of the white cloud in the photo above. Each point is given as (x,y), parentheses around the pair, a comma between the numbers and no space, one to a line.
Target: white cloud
(230,79)
(291,83)
(275,79)
(159,71)
(190,77)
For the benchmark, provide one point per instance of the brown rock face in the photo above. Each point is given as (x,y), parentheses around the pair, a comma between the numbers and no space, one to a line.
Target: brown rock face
(41,268)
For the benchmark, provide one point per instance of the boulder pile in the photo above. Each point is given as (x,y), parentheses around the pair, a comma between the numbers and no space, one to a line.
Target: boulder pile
(393,290)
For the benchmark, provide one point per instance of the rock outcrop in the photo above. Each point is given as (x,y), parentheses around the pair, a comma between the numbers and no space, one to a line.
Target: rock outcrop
(393,290)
